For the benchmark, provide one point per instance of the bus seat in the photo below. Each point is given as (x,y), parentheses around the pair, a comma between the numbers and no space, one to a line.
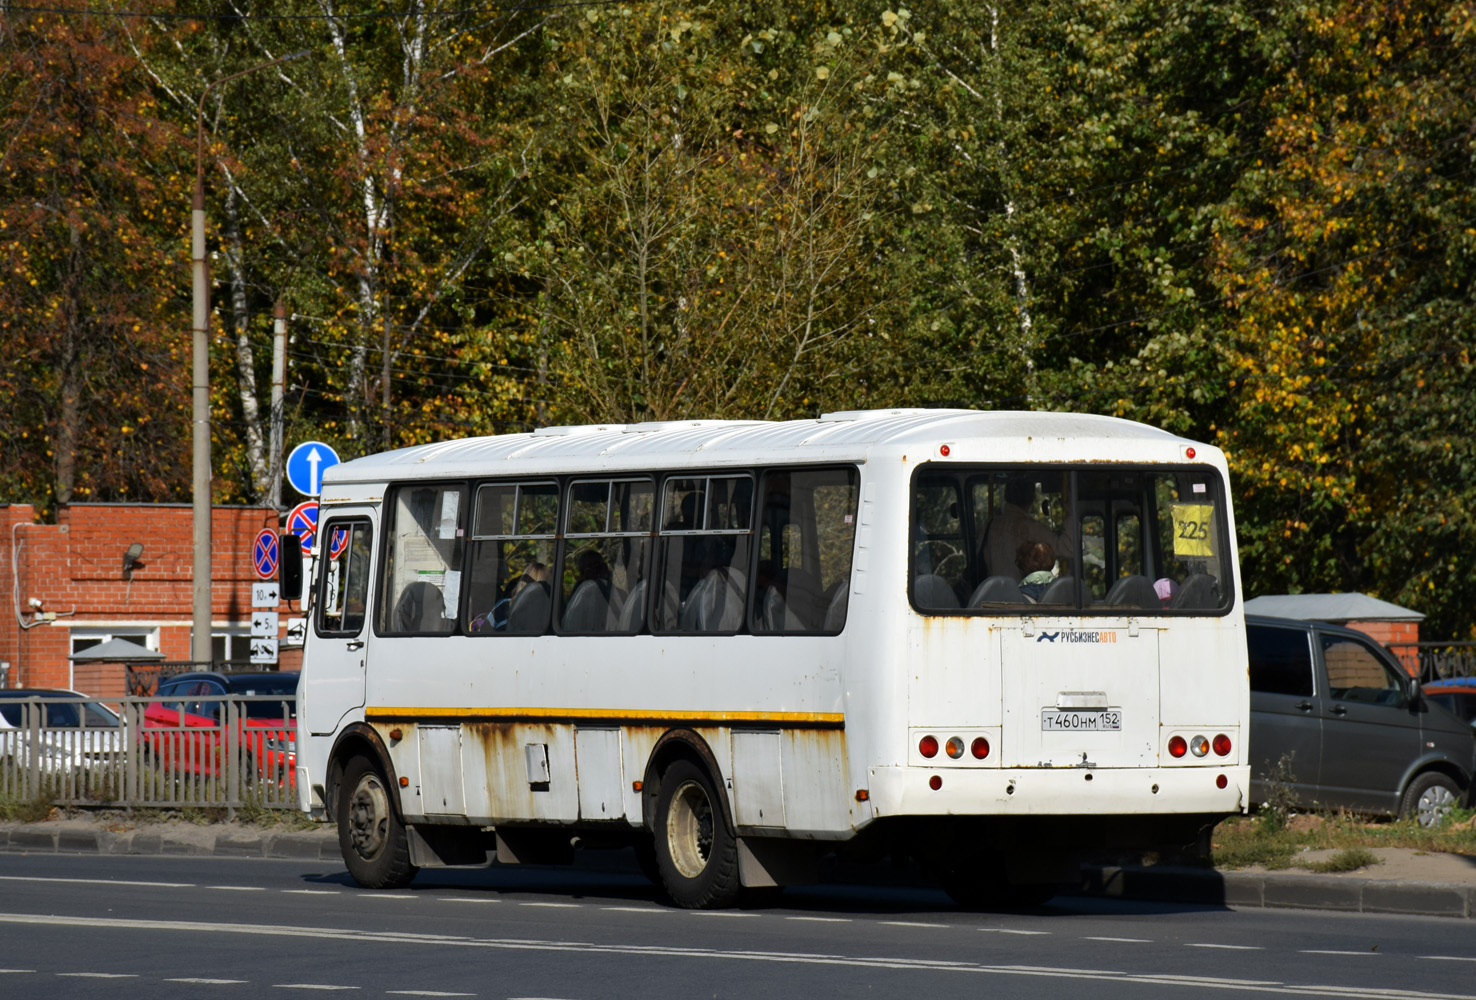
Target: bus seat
(421,608)
(588,609)
(1062,591)
(529,612)
(996,590)
(795,607)
(1134,591)
(933,592)
(1201,592)
(632,614)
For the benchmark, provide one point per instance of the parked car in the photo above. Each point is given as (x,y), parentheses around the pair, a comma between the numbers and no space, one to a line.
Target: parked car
(75,731)
(187,730)
(1457,696)
(1338,723)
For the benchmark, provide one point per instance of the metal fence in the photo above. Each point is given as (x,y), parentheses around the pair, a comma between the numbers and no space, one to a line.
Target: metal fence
(1434,661)
(155,752)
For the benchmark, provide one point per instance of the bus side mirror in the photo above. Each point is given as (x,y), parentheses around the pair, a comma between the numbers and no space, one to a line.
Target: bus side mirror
(289,573)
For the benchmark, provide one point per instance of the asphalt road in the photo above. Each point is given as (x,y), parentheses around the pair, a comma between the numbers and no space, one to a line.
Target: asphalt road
(228,928)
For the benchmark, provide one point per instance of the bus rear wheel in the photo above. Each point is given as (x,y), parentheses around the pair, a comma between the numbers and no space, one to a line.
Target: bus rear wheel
(370,833)
(696,852)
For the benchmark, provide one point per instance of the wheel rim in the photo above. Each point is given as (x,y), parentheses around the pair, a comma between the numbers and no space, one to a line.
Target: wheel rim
(1435,804)
(368,817)
(689,829)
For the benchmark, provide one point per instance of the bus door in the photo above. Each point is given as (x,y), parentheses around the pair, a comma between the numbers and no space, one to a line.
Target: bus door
(337,652)
(1079,694)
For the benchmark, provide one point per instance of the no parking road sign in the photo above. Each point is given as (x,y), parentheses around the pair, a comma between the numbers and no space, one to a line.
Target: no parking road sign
(306,464)
(303,522)
(264,554)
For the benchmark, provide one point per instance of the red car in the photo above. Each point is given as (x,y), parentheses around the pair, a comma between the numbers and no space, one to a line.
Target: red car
(187,730)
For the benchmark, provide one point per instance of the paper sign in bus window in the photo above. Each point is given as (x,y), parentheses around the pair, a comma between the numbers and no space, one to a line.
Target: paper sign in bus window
(1194,529)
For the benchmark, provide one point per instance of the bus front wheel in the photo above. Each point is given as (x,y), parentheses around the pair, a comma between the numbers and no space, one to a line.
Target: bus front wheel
(696,853)
(370,833)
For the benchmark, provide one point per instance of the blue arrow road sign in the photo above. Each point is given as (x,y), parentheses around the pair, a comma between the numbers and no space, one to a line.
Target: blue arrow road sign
(306,465)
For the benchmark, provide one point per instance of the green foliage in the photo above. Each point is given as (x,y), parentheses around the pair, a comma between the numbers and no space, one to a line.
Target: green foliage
(1251,225)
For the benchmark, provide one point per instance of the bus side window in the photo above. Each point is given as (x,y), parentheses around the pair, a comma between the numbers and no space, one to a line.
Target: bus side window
(603,584)
(706,532)
(804,564)
(346,579)
(511,572)
(421,585)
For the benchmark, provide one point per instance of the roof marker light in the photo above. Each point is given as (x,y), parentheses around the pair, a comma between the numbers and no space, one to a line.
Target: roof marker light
(1189,452)
(944,450)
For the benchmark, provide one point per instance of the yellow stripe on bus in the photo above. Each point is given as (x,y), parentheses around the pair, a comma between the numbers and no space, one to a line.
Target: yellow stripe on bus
(382,714)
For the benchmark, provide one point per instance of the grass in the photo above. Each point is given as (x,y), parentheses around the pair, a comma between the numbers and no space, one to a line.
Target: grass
(1274,839)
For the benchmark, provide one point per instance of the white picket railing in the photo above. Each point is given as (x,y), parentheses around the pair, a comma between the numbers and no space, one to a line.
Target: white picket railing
(157,756)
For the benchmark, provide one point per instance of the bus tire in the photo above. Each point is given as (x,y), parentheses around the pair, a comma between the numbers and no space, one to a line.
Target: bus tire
(696,852)
(370,832)
(1429,799)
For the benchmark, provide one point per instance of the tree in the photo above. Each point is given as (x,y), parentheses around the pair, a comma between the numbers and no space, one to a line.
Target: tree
(95,376)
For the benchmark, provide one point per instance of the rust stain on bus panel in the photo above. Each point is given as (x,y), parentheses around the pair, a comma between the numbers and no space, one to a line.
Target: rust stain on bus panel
(818,798)
(499,750)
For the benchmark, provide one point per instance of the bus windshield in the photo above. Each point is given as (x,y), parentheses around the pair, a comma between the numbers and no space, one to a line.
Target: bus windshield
(1043,539)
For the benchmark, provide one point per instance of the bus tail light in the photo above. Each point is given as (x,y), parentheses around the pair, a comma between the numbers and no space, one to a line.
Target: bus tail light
(1177,746)
(1199,746)
(1222,745)
(979,748)
(955,747)
(928,746)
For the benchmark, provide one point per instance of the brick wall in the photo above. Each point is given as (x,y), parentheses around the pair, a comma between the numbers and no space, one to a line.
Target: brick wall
(75,567)
(1395,634)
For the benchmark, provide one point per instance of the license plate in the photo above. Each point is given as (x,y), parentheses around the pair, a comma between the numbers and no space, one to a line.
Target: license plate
(1079,720)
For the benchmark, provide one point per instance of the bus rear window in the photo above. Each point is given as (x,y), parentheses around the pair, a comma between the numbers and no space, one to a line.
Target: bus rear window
(1028,539)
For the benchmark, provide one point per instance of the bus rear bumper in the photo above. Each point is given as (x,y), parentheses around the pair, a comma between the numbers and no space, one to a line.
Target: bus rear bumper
(909,791)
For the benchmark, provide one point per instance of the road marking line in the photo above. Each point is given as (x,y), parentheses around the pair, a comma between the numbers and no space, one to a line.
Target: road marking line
(720,913)
(312,986)
(389,895)
(1011,930)
(823,920)
(15,971)
(1227,947)
(96,881)
(634,909)
(238,888)
(465,899)
(907,923)
(1332,951)
(426,993)
(210,982)
(557,906)
(319,892)
(1428,958)
(1118,940)
(97,975)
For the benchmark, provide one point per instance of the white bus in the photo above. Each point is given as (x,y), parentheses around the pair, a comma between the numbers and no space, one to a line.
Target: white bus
(992,641)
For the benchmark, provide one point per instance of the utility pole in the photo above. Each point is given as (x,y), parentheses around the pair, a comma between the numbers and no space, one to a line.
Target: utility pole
(200,646)
(279,384)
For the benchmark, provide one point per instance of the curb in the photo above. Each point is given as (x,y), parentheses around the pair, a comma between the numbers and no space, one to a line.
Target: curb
(203,841)
(1160,885)
(1279,890)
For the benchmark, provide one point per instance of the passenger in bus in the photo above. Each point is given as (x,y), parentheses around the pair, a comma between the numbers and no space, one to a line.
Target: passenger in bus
(532,598)
(1013,525)
(1036,562)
